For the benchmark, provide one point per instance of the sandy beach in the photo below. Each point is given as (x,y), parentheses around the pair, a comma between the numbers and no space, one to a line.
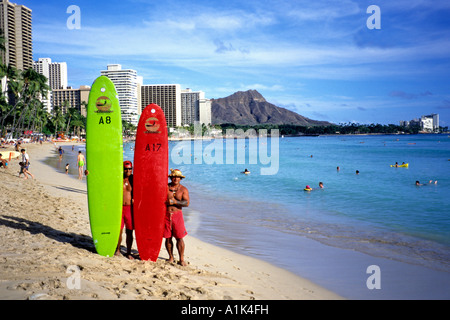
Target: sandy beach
(47,253)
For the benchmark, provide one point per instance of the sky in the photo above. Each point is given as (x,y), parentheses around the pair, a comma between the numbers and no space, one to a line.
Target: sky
(322,59)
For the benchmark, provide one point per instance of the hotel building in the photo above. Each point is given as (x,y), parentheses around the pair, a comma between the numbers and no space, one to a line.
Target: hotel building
(430,123)
(56,73)
(126,82)
(76,98)
(195,108)
(168,97)
(15,23)
(427,124)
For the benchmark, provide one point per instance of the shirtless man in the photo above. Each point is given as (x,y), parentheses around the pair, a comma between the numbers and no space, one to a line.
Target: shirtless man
(177,198)
(127,214)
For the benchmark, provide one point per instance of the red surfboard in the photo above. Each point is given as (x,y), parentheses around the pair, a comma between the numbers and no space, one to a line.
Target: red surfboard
(151,166)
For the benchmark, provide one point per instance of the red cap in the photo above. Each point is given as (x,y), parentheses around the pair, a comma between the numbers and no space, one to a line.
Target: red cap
(127,164)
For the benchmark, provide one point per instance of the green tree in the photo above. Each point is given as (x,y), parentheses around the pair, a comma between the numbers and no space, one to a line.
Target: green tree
(57,119)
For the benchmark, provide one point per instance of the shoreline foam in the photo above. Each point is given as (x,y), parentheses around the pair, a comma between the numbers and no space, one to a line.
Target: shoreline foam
(46,240)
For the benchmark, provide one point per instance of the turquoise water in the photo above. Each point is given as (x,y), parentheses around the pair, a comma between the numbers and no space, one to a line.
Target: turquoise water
(380,211)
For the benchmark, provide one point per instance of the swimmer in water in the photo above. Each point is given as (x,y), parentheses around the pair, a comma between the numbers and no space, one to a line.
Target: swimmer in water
(430,182)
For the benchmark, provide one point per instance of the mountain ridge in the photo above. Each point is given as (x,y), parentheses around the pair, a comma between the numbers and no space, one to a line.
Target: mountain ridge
(251,108)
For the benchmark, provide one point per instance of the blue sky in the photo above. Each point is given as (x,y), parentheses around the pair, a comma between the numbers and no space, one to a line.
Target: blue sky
(317,58)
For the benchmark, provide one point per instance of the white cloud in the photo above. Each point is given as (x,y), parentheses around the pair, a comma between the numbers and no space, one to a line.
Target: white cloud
(323,11)
(258,86)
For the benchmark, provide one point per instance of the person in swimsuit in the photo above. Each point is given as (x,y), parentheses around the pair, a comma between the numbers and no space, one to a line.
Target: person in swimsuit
(80,163)
(177,198)
(60,151)
(127,209)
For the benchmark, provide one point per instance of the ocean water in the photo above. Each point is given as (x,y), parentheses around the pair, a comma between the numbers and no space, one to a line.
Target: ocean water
(379,212)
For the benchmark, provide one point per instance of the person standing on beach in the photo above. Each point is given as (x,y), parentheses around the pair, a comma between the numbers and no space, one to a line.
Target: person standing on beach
(127,209)
(80,163)
(26,164)
(60,151)
(177,198)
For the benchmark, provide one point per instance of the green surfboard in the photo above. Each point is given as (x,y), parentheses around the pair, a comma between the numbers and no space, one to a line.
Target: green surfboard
(104,161)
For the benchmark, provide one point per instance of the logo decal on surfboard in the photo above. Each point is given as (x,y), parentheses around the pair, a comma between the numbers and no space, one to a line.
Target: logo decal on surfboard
(103,105)
(152,125)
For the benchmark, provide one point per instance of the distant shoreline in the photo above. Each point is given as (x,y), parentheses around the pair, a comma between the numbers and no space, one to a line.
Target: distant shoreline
(193,138)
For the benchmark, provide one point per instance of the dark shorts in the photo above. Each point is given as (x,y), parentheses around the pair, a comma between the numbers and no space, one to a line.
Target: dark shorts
(127,218)
(175,225)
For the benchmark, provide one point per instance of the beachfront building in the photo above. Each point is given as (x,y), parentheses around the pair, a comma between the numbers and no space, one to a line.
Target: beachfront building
(71,98)
(16,25)
(204,106)
(427,124)
(127,85)
(168,97)
(56,73)
(404,123)
(16,29)
(430,123)
(195,108)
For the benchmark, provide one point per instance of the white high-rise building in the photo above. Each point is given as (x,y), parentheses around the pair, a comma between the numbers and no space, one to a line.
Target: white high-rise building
(56,73)
(126,82)
(204,107)
(430,123)
(427,124)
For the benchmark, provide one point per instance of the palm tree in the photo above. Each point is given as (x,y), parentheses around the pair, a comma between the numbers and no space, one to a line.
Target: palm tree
(30,87)
(2,43)
(85,105)
(15,90)
(10,77)
(40,119)
(57,118)
(127,127)
(66,110)
(75,119)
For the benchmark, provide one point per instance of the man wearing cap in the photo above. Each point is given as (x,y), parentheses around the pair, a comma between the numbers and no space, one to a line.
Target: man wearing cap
(127,209)
(177,198)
